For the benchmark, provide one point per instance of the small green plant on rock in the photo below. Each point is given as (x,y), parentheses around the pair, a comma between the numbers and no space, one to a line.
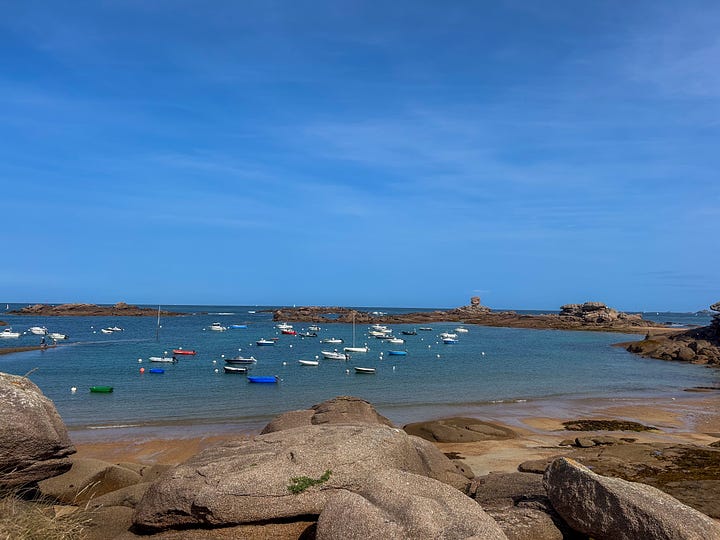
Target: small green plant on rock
(301,483)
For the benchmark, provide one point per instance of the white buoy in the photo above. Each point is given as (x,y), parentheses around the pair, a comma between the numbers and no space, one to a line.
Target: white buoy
(139,360)
(347,371)
(74,389)
(393,368)
(483,353)
(214,362)
(217,370)
(222,356)
(317,357)
(284,363)
(438,356)
(291,345)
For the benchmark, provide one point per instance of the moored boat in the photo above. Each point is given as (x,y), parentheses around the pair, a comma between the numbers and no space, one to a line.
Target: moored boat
(263,379)
(331,340)
(308,362)
(409,333)
(166,359)
(461,330)
(101,389)
(106,331)
(288,331)
(356,349)
(156,370)
(241,360)
(334,355)
(367,370)
(396,341)
(235,369)
(314,328)
(397,353)
(217,327)
(8,333)
(449,340)
(261,342)
(184,352)
(425,328)
(38,330)
(238,326)
(57,336)
(307,334)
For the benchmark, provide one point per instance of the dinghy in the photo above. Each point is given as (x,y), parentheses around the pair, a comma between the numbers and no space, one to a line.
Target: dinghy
(101,389)
(397,353)
(262,379)
(241,360)
(167,359)
(308,362)
(184,352)
(235,369)
(364,370)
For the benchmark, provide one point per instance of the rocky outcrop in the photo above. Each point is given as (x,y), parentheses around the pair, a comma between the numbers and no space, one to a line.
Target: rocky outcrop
(399,504)
(697,345)
(588,316)
(611,508)
(459,430)
(121,309)
(34,443)
(3,323)
(339,410)
(88,478)
(519,504)
(284,475)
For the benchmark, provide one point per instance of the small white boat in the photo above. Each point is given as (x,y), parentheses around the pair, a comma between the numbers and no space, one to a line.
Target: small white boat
(376,333)
(106,331)
(380,328)
(283,326)
(356,349)
(235,369)
(57,336)
(8,333)
(217,327)
(308,362)
(115,328)
(331,340)
(314,328)
(449,340)
(241,360)
(38,330)
(261,342)
(447,335)
(396,340)
(461,330)
(166,359)
(334,355)
(364,369)
(425,328)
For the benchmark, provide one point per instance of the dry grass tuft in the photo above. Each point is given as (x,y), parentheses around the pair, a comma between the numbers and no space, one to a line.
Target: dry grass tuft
(36,519)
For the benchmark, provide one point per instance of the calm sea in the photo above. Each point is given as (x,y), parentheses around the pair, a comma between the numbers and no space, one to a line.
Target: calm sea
(486,366)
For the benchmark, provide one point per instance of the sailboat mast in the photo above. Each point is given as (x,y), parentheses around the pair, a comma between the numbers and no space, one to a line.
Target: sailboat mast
(157,327)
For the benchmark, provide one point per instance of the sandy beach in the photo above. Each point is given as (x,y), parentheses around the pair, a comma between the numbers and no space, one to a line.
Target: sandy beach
(694,419)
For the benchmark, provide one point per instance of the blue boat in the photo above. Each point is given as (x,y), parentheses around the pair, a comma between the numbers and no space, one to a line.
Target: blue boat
(261,379)
(397,353)
(238,326)
(156,370)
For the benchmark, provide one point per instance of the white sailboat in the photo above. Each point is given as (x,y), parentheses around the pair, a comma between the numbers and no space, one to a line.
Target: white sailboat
(354,348)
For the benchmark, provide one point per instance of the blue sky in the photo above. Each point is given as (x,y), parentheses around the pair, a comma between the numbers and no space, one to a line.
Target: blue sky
(367,153)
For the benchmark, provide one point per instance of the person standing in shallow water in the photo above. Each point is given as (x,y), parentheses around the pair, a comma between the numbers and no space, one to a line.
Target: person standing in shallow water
(43,345)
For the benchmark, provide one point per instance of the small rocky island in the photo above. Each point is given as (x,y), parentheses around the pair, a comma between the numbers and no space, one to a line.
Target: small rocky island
(697,345)
(121,309)
(588,316)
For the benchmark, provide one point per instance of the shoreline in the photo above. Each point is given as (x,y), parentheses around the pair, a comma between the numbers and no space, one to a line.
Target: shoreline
(693,419)
(13,350)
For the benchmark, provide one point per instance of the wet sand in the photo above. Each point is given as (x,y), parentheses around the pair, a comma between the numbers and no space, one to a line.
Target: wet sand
(694,419)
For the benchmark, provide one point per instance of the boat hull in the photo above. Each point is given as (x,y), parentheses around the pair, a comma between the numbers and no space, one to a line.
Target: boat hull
(101,389)
(263,380)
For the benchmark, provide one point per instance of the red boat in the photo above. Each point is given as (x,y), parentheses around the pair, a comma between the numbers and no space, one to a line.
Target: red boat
(186,352)
(289,332)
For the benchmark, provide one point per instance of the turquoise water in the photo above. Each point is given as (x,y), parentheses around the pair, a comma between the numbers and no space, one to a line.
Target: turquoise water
(487,365)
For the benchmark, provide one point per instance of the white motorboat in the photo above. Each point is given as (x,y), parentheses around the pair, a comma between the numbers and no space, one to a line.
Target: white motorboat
(115,329)
(396,340)
(8,333)
(218,327)
(308,362)
(38,330)
(106,331)
(448,335)
(261,342)
(167,359)
(356,349)
(334,355)
(241,360)
(449,340)
(366,370)
(235,369)
(461,330)
(57,336)
(283,326)
(331,340)
(314,328)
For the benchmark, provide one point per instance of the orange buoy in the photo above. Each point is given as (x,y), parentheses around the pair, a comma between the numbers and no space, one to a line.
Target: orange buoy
(142,370)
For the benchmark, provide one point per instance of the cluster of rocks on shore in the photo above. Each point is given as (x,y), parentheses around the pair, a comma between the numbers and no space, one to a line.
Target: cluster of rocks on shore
(121,309)
(588,316)
(338,470)
(697,345)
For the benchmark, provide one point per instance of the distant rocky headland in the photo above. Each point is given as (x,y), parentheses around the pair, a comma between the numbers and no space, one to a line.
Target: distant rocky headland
(588,316)
(697,345)
(121,309)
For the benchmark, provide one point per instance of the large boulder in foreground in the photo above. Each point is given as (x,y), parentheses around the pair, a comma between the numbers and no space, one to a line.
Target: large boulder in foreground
(242,481)
(338,410)
(459,430)
(611,508)
(34,443)
(398,504)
